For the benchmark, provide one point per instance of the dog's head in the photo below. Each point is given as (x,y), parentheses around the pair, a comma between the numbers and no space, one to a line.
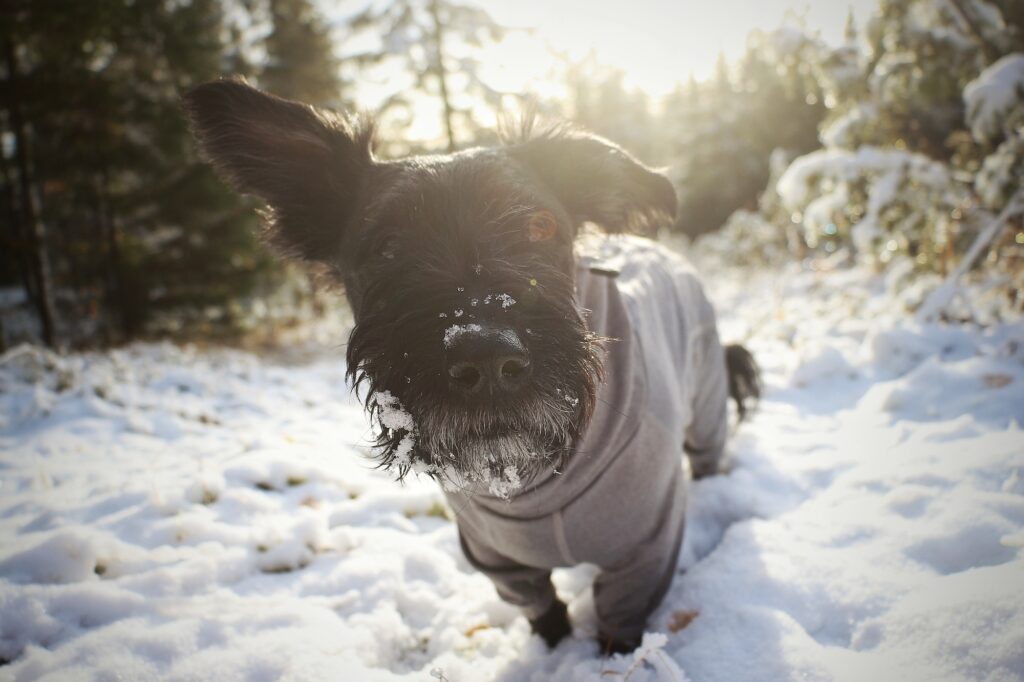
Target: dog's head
(459,269)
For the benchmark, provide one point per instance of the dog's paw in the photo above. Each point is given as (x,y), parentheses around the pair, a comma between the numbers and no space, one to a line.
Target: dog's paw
(554,625)
(614,645)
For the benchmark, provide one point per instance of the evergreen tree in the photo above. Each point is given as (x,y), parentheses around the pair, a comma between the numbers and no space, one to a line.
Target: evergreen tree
(302,65)
(301,62)
(919,57)
(722,132)
(141,236)
(850,28)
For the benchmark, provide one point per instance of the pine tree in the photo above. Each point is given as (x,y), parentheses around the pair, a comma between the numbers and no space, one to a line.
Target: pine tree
(137,229)
(723,131)
(850,28)
(301,62)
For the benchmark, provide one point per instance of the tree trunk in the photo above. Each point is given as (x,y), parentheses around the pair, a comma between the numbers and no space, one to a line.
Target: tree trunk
(15,241)
(35,233)
(435,14)
(114,275)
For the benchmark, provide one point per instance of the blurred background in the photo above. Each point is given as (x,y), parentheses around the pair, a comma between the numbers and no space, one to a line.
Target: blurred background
(881,132)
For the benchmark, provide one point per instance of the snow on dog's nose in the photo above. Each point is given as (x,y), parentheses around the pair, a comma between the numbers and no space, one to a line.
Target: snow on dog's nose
(481,358)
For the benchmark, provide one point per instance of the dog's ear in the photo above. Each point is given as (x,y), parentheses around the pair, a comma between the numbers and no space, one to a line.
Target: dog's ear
(596,180)
(307,164)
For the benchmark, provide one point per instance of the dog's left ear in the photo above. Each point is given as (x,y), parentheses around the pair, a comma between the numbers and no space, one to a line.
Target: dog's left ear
(307,164)
(598,181)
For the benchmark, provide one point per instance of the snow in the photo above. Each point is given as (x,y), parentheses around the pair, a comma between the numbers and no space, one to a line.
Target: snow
(393,416)
(784,42)
(844,130)
(506,300)
(795,185)
(167,512)
(452,333)
(505,485)
(994,97)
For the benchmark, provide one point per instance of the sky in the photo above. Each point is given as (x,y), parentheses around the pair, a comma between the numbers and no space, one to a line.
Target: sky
(658,43)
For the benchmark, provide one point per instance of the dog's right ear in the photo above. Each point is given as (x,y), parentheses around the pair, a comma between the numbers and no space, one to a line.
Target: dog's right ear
(596,180)
(307,164)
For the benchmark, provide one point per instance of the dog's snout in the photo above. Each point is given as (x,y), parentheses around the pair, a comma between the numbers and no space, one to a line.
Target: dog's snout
(492,359)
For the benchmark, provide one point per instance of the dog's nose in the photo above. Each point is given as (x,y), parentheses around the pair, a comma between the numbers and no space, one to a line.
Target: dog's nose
(487,358)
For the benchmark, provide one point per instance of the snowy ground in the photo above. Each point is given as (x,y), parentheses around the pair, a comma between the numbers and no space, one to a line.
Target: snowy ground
(172,514)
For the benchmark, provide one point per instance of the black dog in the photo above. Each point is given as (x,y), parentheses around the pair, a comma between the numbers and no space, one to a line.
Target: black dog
(557,436)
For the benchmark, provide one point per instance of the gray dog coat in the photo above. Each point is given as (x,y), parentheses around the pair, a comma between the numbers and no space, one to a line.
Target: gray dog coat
(620,500)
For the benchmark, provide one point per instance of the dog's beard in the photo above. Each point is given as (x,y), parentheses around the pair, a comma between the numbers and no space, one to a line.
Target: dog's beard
(501,452)
(502,463)
(473,451)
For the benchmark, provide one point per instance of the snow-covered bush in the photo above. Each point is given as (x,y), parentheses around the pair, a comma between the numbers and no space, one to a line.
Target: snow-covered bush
(749,239)
(853,128)
(995,99)
(1002,172)
(880,201)
(995,111)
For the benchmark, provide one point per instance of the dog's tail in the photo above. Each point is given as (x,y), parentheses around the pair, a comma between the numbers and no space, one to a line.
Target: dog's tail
(744,377)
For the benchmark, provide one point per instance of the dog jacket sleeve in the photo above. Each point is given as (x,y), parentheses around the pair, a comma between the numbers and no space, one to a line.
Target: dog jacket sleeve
(620,501)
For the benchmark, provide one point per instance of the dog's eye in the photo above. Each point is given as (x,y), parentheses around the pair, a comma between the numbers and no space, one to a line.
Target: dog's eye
(542,226)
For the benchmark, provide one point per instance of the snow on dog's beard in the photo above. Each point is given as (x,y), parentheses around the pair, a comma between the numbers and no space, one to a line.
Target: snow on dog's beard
(470,450)
(462,450)
(502,453)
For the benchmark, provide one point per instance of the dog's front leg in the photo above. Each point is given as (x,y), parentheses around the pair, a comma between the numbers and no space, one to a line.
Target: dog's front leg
(527,587)
(625,595)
